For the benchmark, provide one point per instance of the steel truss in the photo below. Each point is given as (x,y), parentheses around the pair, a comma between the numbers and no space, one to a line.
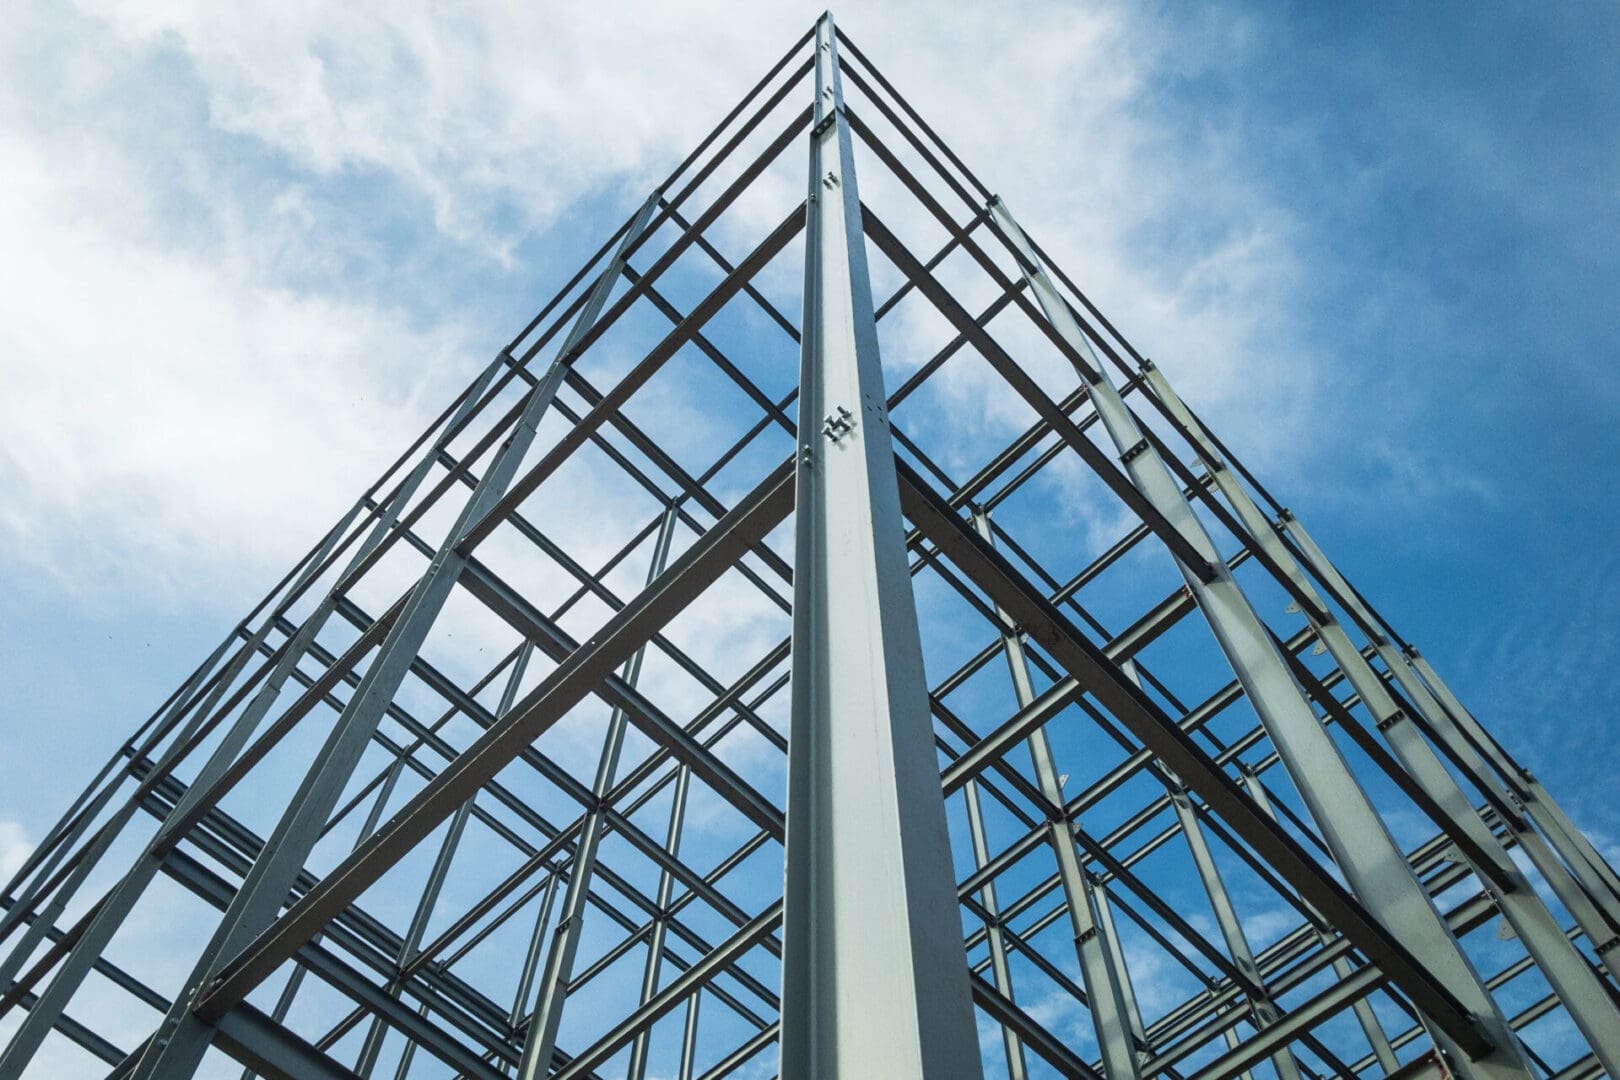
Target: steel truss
(560,852)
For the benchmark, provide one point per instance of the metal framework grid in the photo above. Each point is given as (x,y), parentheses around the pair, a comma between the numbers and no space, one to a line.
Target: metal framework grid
(502,778)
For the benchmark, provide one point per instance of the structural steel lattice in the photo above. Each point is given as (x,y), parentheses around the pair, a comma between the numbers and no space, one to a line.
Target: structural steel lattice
(565,754)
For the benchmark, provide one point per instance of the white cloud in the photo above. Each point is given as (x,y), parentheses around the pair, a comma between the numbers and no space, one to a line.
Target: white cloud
(476,104)
(172,421)
(200,403)
(14,848)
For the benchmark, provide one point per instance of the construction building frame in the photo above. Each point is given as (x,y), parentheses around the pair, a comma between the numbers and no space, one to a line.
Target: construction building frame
(819,644)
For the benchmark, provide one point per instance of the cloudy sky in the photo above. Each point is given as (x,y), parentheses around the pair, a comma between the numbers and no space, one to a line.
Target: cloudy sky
(249,251)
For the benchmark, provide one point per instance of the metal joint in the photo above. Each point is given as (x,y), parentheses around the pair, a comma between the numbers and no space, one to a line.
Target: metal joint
(837,424)
(1134,451)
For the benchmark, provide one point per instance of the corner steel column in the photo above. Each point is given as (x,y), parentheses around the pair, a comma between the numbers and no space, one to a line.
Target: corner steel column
(1371,862)
(1110,1015)
(874,974)
(1570,977)
(182,1037)
(1581,893)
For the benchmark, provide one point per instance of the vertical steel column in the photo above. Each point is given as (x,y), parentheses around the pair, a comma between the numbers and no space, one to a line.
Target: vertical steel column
(1017,1069)
(429,900)
(874,974)
(689,1038)
(1377,1038)
(182,1039)
(1116,953)
(531,959)
(1237,942)
(1109,1015)
(541,1039)
(1361,845)
(660,927)
(1569,975)
(1581,893)
(1262,1007)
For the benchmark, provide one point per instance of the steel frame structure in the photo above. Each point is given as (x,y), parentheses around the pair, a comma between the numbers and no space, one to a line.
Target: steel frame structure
(1092,840)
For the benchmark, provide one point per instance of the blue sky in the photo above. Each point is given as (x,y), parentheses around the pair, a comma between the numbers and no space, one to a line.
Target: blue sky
(247,256)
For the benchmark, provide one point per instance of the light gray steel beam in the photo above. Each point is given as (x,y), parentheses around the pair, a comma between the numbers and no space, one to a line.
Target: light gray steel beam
(1589,1004)
(183,1037)
(1352,827)
(874,976)
(1587,863)
(637,1067)
(1017,1069)
(541,1038)
(1127,987)
(1105,1000)
(1578,887)
(1377,1038)
(1064,643)
(272,1051)
(121,898)
(568,684)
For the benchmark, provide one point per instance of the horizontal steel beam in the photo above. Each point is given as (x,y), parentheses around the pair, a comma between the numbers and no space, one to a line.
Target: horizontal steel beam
(272,1051)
